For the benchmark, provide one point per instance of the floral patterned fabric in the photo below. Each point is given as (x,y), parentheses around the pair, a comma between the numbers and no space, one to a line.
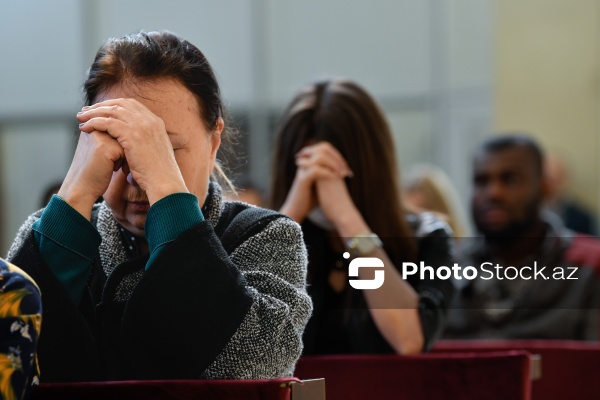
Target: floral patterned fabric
(20,322)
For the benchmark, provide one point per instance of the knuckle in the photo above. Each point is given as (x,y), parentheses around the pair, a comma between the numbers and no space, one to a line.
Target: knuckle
(159,122)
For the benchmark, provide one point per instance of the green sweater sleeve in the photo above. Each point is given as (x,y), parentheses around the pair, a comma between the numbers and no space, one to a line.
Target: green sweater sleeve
(168,218)
(68,243)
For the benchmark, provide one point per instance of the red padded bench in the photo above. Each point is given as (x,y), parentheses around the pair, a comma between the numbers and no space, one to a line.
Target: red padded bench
(499,375)
(570,369)
(273,389)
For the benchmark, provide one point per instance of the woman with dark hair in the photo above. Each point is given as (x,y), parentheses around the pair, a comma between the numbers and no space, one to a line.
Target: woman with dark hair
(164,279)
(335,173)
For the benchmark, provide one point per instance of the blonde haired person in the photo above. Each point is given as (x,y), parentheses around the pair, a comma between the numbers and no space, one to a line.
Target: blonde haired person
(427,187)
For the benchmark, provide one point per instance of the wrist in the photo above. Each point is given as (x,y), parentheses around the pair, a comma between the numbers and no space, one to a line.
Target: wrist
(159,191)
(351,224)
(298,202)
(80,202)
(292,213)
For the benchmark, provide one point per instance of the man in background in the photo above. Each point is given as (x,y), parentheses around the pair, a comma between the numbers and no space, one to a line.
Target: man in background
(514,301)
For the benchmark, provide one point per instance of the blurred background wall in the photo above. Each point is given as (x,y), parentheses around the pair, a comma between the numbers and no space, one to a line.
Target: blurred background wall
(447,73)
(546,81)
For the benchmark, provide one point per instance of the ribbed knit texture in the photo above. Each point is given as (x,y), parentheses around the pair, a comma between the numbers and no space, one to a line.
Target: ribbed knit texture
(168,218)
(62,223)
(69,244)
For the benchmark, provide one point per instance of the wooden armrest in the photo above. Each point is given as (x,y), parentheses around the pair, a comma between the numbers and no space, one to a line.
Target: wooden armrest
(536,367)
(310,389)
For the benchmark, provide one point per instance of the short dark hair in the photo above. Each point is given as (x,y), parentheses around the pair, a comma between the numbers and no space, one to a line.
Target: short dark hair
(147,56)
(155,55)
(510,140)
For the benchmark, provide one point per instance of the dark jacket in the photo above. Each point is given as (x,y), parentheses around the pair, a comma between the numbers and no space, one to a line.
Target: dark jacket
(226,299)
(342,323)
(559,302)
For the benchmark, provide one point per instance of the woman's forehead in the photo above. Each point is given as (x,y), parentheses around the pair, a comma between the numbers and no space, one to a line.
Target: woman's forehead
(166,98)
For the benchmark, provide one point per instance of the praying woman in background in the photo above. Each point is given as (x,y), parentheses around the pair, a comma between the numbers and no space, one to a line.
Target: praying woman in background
(335,173)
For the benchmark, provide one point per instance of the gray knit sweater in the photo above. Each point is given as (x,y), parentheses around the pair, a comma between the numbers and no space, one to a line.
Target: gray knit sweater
(272,262)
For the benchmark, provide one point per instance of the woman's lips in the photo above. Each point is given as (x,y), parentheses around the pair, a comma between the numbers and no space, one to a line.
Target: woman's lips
(139,206)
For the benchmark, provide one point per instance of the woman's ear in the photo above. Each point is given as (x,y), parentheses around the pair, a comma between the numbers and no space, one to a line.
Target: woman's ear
(215,137)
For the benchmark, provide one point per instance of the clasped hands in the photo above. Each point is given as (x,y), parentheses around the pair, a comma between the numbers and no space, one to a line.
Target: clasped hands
(320,174)
(120,136)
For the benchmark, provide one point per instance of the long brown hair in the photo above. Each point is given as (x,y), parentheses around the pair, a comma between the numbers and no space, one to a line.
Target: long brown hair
(344,114)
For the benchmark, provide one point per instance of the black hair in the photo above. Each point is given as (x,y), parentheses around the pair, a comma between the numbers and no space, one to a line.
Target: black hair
(511,140)
(161,54)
